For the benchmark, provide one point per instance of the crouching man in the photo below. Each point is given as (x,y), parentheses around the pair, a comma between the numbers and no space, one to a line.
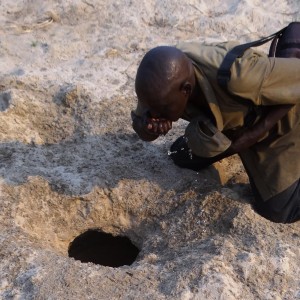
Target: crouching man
(258,116)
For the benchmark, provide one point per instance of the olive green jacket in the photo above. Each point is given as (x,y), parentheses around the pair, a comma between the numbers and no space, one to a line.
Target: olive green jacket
(256,81)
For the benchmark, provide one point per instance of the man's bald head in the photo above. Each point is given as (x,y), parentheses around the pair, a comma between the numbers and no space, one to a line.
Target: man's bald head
(162,69)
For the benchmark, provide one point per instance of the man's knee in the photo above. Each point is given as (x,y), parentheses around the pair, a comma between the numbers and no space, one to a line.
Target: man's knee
(282,208)
(268,211)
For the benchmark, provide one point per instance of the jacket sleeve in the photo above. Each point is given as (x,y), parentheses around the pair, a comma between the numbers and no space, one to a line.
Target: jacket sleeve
(264,80)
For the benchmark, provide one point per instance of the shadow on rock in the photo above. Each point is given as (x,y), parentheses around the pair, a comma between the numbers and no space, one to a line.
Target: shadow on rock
(75,167)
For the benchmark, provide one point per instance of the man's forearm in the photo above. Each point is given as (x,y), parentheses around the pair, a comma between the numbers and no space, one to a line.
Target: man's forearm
(253,134)
(181,155)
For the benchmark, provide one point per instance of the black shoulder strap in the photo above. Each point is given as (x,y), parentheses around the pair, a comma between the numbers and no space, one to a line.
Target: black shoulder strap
(224,72)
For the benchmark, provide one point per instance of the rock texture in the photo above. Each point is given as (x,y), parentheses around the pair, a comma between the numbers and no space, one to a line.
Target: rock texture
(70,161)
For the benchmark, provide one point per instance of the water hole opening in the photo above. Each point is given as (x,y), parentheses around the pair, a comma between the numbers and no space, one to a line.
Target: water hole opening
(103,249)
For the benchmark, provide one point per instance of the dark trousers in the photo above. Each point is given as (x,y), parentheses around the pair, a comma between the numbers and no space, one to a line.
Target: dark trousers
(282,208)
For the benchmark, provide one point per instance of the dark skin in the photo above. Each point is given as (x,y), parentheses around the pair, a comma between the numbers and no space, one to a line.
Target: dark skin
(264,125)
(162,110)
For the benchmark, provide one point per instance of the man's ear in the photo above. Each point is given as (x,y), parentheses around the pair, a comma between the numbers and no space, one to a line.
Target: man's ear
(186,88)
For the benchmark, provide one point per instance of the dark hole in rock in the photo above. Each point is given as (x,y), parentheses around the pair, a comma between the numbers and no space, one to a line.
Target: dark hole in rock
(103,249)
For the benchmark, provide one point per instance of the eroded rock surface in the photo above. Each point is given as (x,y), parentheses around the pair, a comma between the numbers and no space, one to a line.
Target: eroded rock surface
(70,161)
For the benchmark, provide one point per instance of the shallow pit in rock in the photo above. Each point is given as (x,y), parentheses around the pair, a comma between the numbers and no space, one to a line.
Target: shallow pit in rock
(103,249)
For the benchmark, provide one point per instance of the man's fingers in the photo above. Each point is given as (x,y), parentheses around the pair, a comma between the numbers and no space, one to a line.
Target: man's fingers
(169,124)
(165,127)
(159,126)
(155,127)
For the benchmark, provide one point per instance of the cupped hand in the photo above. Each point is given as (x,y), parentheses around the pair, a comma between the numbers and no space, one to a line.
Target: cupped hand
(159,126)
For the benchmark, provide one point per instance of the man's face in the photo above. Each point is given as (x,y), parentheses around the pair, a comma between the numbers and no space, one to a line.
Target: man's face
(168,99)
(171,106)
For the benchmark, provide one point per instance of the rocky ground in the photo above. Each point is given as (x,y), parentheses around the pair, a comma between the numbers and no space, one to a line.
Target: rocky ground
(70,161)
